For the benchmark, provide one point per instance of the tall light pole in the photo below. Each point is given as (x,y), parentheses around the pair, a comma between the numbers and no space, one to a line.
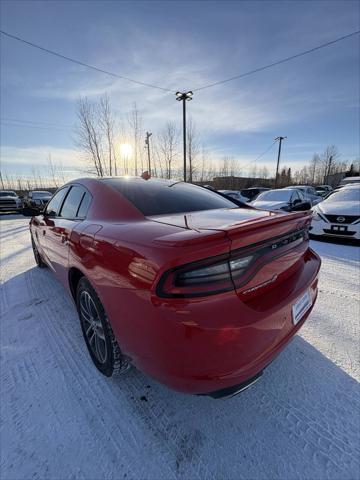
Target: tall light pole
(278,159)
(184,97)
(147,143)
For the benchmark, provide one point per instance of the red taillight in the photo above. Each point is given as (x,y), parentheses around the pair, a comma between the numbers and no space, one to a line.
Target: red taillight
(207,277)
(225,272)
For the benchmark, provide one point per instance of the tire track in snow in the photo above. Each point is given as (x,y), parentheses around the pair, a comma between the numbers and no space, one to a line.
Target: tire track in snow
(84,369)
(76,381)
(160,425)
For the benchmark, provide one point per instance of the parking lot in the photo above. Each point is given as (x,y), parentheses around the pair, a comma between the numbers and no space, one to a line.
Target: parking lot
(60,418)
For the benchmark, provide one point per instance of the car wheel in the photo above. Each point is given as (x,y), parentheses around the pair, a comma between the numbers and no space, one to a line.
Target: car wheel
(99,337)
(39,261)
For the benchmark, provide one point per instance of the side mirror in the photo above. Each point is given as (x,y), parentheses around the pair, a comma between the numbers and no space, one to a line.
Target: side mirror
(50,214)
(297,201)
(30,211)
(301,207)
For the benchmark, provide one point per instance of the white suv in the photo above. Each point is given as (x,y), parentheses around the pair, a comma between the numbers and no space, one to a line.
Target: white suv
(9,201)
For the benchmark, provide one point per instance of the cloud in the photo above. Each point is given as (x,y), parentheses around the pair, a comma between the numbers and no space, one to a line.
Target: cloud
(23,161)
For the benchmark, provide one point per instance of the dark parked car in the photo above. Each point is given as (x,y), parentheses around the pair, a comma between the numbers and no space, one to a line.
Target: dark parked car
(176,279)
(287,199)
(37,199)
(251,193)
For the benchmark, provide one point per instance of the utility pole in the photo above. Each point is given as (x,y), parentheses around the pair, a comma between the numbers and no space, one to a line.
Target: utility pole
(183,97)
(278,159)
(147,143)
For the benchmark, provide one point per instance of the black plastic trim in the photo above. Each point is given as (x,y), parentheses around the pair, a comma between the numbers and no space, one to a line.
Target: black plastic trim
(233,390)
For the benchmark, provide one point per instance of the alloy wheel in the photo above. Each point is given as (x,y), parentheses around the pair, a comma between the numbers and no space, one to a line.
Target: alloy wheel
(93,327)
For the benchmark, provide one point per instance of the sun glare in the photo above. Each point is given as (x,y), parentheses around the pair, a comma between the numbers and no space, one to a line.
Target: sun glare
(126,149)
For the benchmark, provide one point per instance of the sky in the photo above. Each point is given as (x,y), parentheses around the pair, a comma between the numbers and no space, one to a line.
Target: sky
(312,100)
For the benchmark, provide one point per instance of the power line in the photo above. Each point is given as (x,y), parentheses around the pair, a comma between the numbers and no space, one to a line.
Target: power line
(260,156)
(278,62)
(236,77)
(83,64)
(33,123)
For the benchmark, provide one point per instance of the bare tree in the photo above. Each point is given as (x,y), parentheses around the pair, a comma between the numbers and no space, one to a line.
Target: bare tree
(168,141)
(314,167)
(89,134)
(329,159)
(263,172)
(224,167)
(192,148)
(53,171)
(135,123)
(107,125)
(254,172)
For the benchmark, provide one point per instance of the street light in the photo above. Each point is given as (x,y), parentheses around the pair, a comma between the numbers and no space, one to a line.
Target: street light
(183,97)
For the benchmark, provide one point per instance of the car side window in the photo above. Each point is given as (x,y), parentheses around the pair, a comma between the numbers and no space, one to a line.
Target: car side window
(53,207)
(84,205)
(72,203)
(295,196)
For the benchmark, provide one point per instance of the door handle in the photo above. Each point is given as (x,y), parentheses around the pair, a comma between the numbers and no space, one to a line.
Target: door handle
(44,232)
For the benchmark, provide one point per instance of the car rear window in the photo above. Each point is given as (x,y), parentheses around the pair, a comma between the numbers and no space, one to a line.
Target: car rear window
(84,205)
(72,202)
(154,197)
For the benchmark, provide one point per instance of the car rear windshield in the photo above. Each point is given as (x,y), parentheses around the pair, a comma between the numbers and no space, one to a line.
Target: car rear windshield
(281,195)
(41,194)
(345,195)
(153,197)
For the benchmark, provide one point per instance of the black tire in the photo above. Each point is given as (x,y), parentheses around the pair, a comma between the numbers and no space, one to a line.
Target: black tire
(39,261)
(98,335)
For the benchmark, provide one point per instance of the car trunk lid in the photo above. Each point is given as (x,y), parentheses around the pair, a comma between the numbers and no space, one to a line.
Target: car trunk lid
(277,242)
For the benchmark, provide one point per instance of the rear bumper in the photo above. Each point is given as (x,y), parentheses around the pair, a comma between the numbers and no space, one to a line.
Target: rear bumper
(213,343)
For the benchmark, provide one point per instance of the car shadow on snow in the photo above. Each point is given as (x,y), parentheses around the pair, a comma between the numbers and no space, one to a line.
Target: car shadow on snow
(301,417)
(299,421)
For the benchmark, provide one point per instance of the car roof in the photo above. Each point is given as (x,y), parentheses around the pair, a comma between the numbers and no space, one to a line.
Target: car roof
(277,189)
(285,188)
(352,179)
(353,185)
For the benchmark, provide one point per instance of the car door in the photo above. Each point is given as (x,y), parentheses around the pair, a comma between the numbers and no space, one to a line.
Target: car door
(46,220)
(59,229)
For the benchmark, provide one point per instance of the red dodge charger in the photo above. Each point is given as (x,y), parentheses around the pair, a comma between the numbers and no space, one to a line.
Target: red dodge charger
(188,286)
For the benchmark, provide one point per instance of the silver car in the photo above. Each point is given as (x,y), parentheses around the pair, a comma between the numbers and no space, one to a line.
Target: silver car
(10,201)
(309,193)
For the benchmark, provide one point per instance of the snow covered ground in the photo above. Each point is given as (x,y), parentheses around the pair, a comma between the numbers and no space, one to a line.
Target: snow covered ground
(60,419)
